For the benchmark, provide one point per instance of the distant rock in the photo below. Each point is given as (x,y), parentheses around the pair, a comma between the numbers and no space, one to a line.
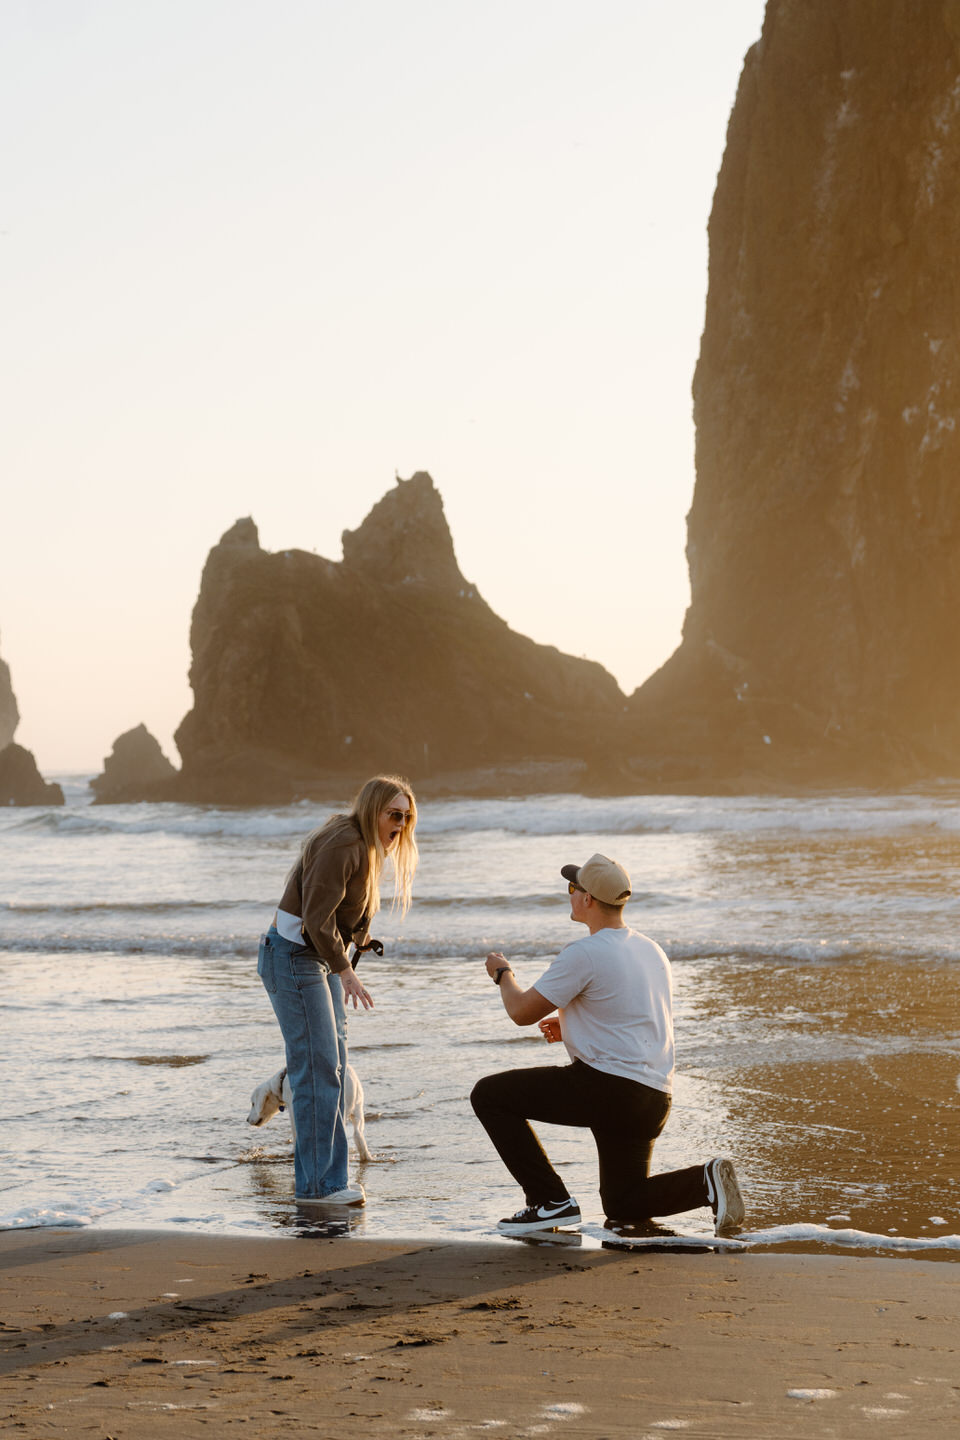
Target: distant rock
(21,782)
(136,769)
(9,714)
(821,642)
(309,674)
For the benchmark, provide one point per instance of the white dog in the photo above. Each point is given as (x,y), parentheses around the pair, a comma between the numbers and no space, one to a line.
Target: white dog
(275,1094)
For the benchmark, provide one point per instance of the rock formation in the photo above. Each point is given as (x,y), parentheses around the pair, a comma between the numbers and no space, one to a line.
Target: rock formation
(824,537)
(136,769)
(307,672)
(9,714)
(21,782)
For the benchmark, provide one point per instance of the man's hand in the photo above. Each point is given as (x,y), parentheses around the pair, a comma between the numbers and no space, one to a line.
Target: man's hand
(353,990)
(496,961)
(550,1028)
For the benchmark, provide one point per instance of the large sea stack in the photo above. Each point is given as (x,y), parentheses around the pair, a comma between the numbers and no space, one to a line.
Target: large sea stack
(309,673)
(824,550)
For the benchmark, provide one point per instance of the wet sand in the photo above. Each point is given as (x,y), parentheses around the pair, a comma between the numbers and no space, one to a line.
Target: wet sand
(131,1334)
(842,1081)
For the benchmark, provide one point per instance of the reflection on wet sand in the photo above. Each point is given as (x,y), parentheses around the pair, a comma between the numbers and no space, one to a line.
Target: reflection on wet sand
(327,1222)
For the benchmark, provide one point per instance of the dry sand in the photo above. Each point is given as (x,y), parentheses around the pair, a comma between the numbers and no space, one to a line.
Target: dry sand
(131,1335)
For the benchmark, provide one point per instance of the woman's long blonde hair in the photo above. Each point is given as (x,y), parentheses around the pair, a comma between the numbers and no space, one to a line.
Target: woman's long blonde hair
(371,801)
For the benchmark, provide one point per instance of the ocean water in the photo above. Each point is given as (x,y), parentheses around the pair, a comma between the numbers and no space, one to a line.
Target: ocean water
(816,952)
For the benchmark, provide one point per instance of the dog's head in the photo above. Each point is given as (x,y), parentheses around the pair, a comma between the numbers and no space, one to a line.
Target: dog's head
(267,1099)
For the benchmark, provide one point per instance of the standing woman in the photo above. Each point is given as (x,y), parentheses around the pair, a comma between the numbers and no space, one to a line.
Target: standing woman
(330,897)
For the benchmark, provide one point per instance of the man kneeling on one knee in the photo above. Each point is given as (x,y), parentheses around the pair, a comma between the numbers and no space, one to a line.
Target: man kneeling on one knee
(613,995)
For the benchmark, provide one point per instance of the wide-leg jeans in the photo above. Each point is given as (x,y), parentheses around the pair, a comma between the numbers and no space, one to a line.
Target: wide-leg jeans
(308,1003)
(625,1117)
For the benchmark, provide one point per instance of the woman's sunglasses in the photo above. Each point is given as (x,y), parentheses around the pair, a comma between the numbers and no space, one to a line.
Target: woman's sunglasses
(399,817)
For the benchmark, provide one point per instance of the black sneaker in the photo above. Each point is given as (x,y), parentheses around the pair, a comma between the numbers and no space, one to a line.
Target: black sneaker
(549,1215)
(723,1192)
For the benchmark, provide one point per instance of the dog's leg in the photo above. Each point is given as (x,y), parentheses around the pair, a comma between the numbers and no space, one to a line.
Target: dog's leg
(353,1108)
(287,1093)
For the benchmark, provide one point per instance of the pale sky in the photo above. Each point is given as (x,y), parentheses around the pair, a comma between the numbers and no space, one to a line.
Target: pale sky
(257,257)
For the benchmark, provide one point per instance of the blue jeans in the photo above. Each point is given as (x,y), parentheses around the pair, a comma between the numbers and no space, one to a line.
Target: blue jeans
(308,1003)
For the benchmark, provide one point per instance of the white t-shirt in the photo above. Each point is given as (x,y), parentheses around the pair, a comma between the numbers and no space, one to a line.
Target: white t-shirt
(615,997)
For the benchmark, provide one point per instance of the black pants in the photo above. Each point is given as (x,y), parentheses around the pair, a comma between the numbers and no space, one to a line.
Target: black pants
(625,1118)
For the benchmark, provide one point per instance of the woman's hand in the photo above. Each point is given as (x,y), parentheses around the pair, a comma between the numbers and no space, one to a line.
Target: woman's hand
(551,1029)
(353,990)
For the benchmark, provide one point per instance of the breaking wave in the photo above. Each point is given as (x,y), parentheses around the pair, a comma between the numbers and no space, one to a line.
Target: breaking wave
(858,813)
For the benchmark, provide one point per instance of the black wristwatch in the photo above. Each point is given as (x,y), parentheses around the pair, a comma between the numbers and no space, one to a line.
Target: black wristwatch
(500,972)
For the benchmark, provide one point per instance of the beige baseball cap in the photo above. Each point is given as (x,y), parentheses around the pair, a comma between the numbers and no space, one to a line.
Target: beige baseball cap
(602,878)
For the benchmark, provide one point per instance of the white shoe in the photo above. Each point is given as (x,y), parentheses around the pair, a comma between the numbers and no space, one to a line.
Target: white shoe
(349,1195)
(723,1192)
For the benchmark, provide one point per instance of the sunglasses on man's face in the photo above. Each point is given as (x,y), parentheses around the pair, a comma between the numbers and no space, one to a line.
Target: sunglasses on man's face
(574,889)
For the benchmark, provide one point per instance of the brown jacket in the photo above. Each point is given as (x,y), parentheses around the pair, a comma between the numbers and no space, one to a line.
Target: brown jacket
(327,890)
